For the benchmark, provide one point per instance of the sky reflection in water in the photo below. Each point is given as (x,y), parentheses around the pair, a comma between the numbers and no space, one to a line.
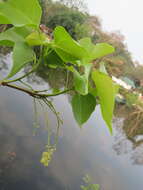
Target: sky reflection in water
(91,150)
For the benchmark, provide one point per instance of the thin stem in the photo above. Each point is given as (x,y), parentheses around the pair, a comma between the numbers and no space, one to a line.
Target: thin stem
(36,123)
(38,91)
(59,121)
(56,94)
(17,79)
(67,79)
(32,92)
(36,64)
(18,88)
(27,85)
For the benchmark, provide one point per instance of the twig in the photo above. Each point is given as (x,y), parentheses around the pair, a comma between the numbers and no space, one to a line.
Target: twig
(34,93)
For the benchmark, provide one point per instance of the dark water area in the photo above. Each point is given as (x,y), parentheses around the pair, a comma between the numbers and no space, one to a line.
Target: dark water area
(110,161)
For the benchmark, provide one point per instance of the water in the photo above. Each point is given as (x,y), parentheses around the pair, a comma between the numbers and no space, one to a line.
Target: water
(110,161)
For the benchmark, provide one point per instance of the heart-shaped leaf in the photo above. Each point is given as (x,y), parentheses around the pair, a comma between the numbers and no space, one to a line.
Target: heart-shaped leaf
(82,107)
(67,48)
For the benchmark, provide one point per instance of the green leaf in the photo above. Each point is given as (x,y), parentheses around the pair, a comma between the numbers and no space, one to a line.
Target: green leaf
(82,107)
(14,34)
(106,90)
(22,54)
(37,38)
(3,19)
(96,51)
(93,91)
(6,43)
(67,48)
(81,81)
(53,60)
(85,51)
(87,44)
(20,12)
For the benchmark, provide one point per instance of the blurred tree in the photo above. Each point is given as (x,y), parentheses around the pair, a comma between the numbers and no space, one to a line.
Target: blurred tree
(75,4)
(136,74)
(83,30)
(67,18)
(44,4)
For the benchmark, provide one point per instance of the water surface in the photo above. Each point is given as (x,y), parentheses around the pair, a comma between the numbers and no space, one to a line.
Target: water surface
(110,161)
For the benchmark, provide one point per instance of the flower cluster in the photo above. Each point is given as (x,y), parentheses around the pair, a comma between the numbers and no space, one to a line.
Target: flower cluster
(47,155)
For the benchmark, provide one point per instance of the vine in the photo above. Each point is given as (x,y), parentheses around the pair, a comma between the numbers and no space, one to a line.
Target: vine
(33,45)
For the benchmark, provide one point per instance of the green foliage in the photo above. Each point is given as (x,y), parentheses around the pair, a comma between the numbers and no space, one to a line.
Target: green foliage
(37,38)
(52,59)
(83,106)
(22,54)
(17,13)
(120,62)
(61,52)
(3,19)
(67,48)
(96,51)
(81,81)
(106,91)
(14,35)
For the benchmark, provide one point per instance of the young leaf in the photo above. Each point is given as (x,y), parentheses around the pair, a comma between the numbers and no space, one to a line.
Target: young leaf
(53,60)
(96,51)
(67,48)
(82,107)
(106,90)
(37,38)
(20,12)
(22,54)
(81,81)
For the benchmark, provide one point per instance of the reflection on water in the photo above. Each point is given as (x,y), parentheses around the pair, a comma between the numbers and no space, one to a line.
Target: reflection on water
(79,151)
(126,144)
(109,160)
